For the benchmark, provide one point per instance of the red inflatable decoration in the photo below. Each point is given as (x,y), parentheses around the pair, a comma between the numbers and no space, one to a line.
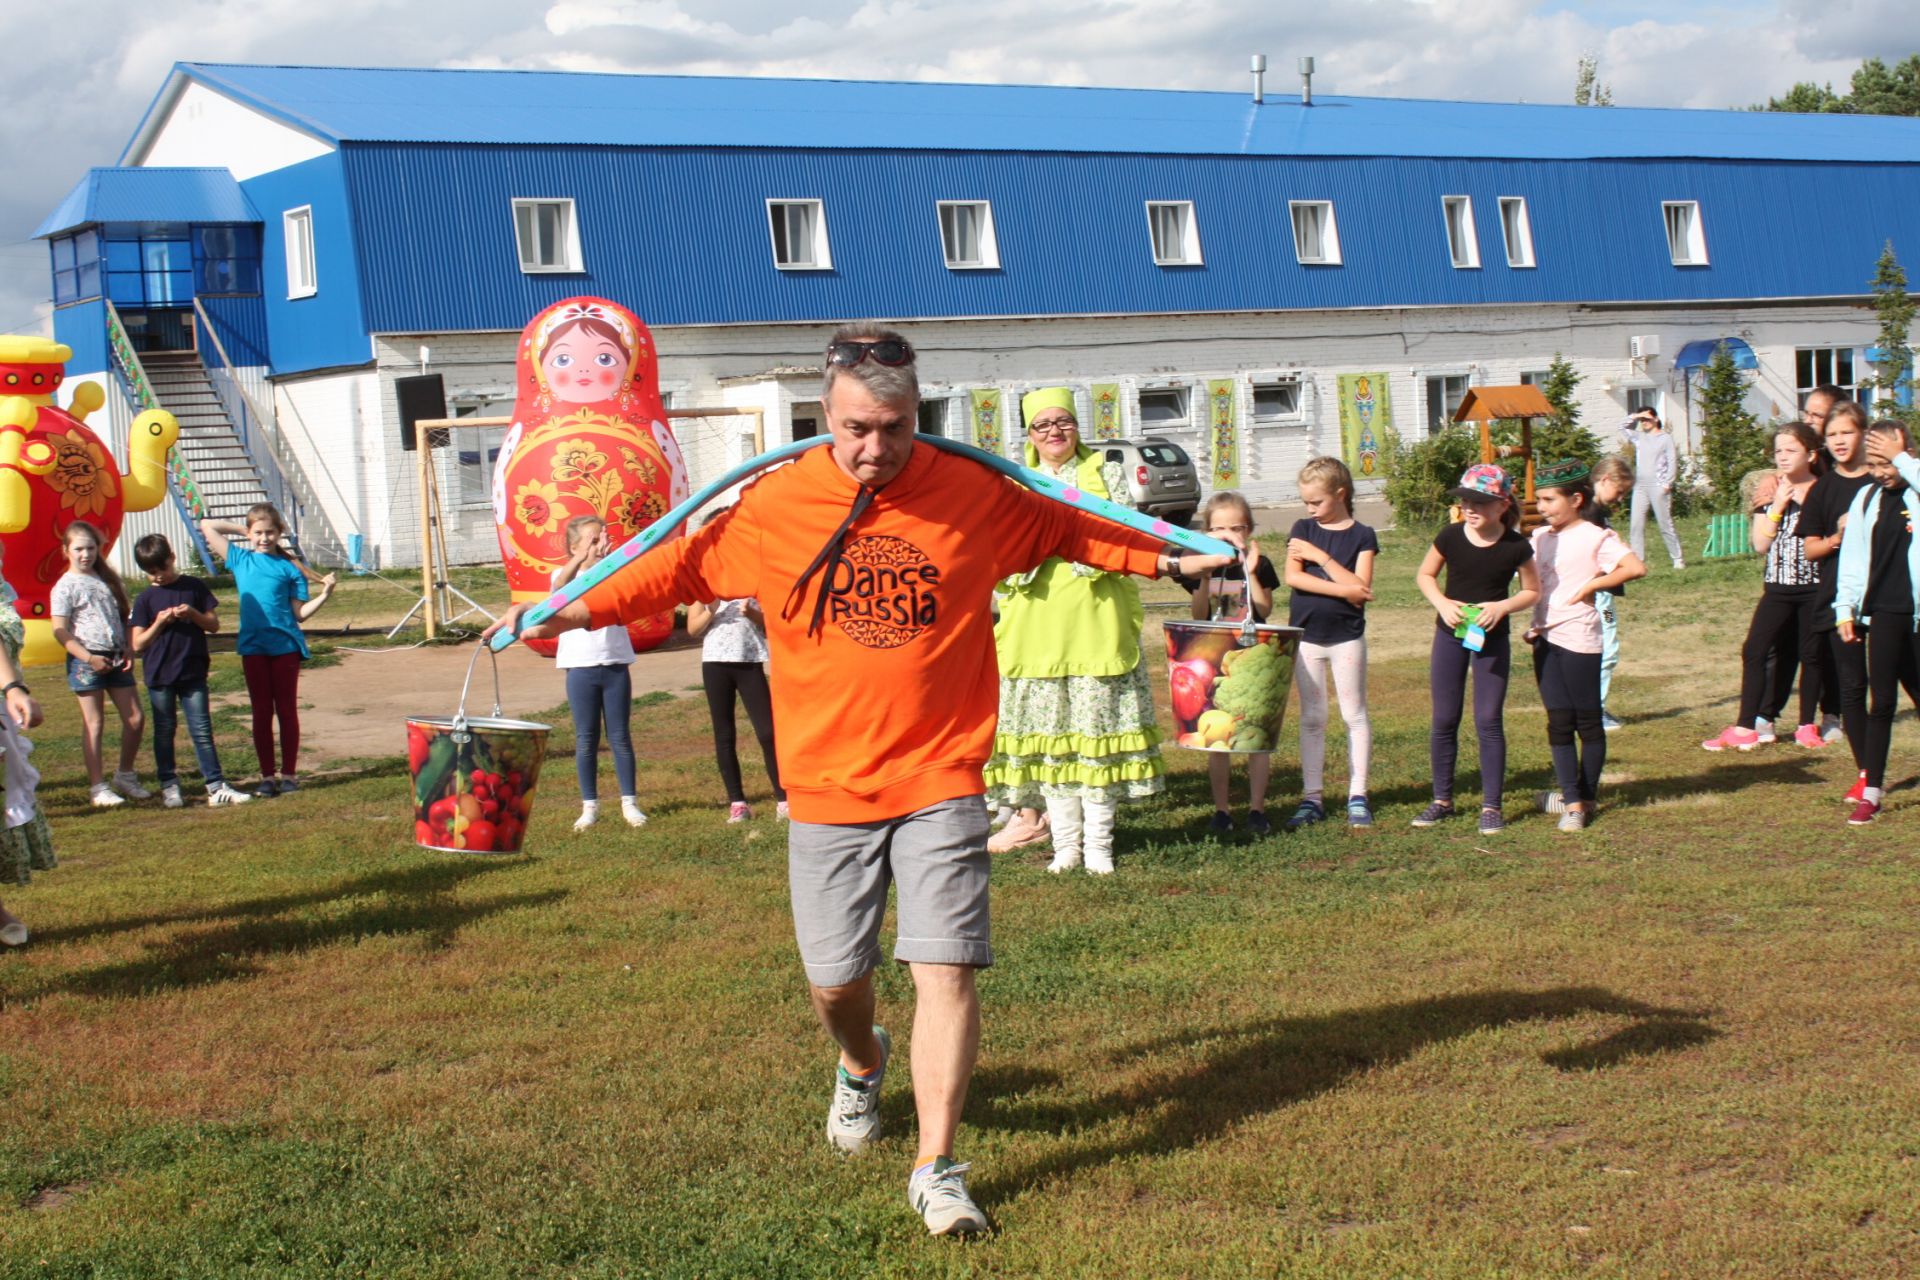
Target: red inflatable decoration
(589,437)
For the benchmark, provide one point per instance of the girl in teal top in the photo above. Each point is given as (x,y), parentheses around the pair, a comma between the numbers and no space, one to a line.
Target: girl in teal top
(1077,732)
(273,604)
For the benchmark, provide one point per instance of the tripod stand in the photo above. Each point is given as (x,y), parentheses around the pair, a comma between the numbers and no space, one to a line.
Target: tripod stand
(437,593)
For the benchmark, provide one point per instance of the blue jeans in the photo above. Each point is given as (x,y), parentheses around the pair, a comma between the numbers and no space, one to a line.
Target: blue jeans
(596,693)
(168,702)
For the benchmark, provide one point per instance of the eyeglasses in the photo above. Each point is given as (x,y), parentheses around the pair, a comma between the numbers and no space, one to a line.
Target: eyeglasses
(1053,427)
(888,351)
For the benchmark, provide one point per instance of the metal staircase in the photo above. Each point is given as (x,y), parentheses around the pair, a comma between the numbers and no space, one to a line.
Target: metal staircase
(226,477)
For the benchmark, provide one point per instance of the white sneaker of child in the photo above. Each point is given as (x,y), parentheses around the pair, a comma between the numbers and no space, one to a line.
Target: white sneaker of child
(589,814)
(630,810)
(127,783)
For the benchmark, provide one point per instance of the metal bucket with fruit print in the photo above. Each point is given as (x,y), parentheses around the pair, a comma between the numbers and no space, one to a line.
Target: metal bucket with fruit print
(473,777)
(1229,683)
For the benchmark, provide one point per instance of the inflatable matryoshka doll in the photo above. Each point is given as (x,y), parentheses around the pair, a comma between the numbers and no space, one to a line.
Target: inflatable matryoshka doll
(589,437)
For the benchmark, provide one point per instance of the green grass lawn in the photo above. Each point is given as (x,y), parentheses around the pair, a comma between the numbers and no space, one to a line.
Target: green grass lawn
(280,1041)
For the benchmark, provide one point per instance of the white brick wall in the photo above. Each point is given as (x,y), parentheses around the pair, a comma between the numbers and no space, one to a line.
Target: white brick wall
(355,414)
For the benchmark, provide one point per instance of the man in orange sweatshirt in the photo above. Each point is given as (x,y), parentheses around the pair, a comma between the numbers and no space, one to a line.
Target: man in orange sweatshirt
(875,560)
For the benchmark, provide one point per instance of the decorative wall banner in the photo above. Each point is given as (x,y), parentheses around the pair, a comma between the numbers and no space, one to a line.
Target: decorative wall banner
(986,405)
(1223,425)
(1365,412)
(1106,411)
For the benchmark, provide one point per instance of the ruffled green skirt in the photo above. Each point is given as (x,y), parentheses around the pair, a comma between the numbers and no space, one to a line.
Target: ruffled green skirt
(1090,736)
(26,849)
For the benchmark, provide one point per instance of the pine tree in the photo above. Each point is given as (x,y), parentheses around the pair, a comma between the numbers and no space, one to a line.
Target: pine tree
(1562,436)
(1895,307)
(1876,90)
(1731,439)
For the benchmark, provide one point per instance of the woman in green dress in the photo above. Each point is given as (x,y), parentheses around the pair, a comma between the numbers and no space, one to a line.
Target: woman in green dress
(1077,733)
(26,843)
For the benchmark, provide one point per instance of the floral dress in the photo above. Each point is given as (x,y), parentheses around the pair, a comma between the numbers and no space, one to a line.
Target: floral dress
(28,847)
(1093,736)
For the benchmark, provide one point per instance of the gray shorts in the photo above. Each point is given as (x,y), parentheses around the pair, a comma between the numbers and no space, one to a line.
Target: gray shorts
(839,873)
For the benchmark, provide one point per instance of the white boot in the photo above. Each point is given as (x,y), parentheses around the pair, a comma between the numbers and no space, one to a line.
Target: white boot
(1065,814)
(1099,815)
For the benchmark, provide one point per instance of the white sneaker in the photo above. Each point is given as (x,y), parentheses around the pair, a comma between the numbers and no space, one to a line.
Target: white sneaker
(224,794)
(938,1193)
(104,797)
(854,1118)
(1573,820)
(128,785)
(589,814)
(1764,728)
(630,810)
(170,795)
(1831,730)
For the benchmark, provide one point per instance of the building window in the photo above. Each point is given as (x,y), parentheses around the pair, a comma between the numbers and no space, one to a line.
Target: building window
(1639,398)
(302,280)
(799,229)
(1462,245)
(477,449)
(1164,409)
(966,235)
(1517,228)
(1821,367)
(1316,241)
(76,267)
(1686,239)
(1445,391)
(226,259)
(1534,377)
(1176,236)
(1276,401)
(548,235)
(936,413)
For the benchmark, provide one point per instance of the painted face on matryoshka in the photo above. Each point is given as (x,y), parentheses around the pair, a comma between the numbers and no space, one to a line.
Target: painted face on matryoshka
(585,362)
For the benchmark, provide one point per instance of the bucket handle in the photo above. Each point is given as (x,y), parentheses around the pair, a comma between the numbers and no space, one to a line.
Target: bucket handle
(460,716)
(1249,629)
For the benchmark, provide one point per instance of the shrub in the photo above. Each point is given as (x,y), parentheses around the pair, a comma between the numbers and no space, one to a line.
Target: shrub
(1419,474)
(1732,441)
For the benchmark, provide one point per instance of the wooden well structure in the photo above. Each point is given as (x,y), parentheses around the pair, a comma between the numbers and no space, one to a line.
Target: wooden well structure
(1487,405)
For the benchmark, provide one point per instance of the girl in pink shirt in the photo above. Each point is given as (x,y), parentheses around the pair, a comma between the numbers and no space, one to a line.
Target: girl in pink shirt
(1577,558)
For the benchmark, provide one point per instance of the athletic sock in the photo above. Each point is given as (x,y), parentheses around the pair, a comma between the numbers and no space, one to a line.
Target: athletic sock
(1871,795)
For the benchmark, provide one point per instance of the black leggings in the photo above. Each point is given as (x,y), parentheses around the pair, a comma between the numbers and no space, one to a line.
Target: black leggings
(1893,660)
(1782,626)
(1447,683)
(1570,691)
(749,679)
(1850,683)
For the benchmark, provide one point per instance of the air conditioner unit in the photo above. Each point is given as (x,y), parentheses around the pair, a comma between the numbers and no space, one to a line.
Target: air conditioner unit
(1643,346)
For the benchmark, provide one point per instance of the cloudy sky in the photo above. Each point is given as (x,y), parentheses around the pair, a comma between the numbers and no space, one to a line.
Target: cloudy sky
(78,107)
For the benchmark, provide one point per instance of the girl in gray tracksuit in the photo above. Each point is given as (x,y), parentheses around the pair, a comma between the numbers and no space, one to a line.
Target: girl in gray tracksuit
(1656,465)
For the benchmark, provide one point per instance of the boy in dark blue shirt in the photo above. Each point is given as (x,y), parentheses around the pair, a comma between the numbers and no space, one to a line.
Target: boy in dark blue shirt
(170,624)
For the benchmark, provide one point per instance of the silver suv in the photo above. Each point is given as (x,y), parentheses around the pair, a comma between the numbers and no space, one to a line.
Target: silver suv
(1161,479)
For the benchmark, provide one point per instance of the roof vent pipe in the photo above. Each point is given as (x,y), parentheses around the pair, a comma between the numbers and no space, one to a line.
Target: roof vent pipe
(1259,68)
(1306,82)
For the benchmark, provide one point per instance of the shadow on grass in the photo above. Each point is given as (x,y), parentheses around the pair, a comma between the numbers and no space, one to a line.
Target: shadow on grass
(1251,1070)
(425,881)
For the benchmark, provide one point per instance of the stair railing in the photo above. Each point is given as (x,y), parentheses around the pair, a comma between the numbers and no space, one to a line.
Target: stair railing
(281,473)
(134,385)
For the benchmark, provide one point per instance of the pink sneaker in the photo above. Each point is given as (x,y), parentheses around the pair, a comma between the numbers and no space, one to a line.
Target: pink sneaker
(1858,791)
(1808,736)
(738,811)
(1735,737)
(1863,813)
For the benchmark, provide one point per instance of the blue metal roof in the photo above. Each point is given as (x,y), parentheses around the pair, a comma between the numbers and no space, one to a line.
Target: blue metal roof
(353,104)
(1696,354)
(150,195)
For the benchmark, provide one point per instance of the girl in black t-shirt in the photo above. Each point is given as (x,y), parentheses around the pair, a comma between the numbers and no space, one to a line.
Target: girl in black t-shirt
(1480,556)
(1842,668)
(1227,593)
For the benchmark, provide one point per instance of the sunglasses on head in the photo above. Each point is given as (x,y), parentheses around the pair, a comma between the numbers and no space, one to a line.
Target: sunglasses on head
(887,351)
